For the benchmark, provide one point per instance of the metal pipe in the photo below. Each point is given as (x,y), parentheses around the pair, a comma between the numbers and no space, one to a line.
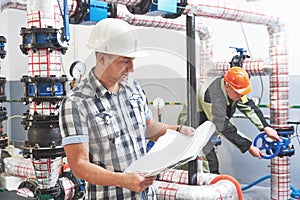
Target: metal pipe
(191,88)
(221,190)
(181,177)
(254,66)
(14,4)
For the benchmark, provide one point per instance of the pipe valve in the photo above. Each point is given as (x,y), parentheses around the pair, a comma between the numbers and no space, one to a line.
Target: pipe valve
(276,148)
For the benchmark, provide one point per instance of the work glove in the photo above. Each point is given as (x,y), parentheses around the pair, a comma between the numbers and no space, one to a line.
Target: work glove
(186,130)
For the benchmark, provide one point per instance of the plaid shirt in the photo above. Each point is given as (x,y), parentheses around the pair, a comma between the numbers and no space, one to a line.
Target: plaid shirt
(114,125)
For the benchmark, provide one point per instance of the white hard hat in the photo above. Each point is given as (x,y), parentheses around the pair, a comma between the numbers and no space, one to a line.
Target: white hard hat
(117,37)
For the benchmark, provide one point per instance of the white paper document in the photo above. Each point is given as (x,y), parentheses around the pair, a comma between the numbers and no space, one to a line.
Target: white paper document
(172,149)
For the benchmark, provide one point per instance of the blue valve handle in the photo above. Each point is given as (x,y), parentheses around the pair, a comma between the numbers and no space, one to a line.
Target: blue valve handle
(272,148)
(65,16)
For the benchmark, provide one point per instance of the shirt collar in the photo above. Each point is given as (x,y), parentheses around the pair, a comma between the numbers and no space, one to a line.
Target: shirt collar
(99,87)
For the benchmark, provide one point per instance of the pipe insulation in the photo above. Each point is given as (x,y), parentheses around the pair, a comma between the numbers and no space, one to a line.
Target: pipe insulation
(181,177)
(24,168)
(13,4)
(223,189)
(44,171)
(254,66)
(68,188)
(19,167)
(22,5)
(44,62)
(173,184)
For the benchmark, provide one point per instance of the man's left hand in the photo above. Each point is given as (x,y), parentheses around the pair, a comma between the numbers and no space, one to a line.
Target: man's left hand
(186,130)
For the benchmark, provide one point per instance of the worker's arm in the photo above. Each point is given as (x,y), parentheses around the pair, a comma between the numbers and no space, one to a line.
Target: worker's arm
(78,159)
(156,129)
(252,112)
(255,152)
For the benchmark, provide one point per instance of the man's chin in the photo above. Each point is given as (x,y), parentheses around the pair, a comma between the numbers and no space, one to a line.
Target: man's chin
(124,78)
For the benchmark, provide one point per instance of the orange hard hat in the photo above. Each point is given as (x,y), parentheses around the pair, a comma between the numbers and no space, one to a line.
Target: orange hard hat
(238,80)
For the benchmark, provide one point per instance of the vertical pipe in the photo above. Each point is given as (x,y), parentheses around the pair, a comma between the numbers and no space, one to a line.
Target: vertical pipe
(191,88)
(279,110)
(44,62)
(41,14)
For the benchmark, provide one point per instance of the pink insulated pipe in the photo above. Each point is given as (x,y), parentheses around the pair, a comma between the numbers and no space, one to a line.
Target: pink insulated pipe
(44,62)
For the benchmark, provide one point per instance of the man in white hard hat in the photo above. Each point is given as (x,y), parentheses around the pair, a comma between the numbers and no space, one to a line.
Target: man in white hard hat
(105,119)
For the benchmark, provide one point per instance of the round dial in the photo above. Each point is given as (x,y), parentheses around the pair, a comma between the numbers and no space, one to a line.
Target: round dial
(77,69)
(158,102)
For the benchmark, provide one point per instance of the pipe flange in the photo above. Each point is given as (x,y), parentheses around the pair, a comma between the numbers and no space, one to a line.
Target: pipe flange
(38,153)
(41,89)
(80,13)
(180,9)
(40,38)
(49,193)
(112,10)
(142,8)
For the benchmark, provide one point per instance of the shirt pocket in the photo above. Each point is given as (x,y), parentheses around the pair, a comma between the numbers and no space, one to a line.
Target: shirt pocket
(107,124)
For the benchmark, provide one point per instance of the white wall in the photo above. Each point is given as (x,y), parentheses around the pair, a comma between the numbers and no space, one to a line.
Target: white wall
(14,65)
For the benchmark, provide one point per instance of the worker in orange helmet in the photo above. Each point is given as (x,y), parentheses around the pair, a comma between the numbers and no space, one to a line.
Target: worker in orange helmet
(217,101)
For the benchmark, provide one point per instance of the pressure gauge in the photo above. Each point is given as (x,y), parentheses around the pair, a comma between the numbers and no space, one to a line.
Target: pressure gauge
(158,102)
(77,70)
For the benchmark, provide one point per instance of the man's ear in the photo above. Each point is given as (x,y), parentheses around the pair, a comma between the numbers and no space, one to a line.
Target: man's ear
(226,86)
(101,58)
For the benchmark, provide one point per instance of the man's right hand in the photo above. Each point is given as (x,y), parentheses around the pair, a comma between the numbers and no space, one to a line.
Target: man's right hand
(255,152)
(136,182)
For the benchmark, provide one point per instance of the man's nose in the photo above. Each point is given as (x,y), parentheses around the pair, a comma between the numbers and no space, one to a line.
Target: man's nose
(130,67)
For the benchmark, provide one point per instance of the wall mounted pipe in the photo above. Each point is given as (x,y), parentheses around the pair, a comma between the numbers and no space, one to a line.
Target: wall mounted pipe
(13,4)
(181,177)
(222,189)
(22,5)
(254,66)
